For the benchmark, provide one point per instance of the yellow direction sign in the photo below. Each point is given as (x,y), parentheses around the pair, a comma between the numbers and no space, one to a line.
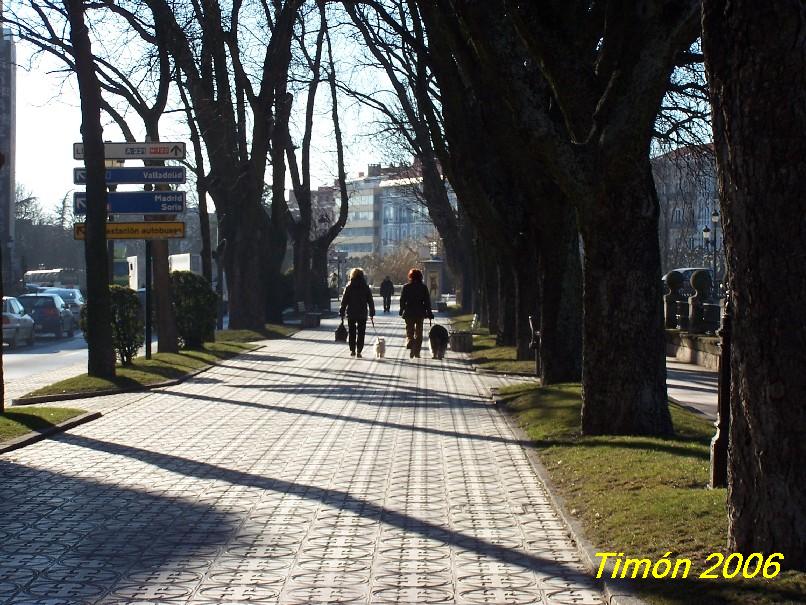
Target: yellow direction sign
(148,230)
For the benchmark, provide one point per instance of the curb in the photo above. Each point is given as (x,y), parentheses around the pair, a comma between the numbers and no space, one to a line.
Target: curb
(35,436)
(68,396)
(157,385)
(689,408)
(616,593)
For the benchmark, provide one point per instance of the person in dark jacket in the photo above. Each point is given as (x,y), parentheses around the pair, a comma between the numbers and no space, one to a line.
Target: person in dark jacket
(355,301)
(415,306)
(387,291)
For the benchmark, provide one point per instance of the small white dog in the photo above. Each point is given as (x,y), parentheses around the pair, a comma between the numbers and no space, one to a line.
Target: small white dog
(380,347)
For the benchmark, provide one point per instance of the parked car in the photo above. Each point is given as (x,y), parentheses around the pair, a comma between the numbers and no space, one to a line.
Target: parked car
(50,313)
(18,326)
(73,298)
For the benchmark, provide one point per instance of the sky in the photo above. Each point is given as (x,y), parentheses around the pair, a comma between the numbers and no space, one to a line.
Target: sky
(48,122)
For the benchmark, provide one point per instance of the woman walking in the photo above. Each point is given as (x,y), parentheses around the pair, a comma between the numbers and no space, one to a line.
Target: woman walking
(415,306)
(356,299)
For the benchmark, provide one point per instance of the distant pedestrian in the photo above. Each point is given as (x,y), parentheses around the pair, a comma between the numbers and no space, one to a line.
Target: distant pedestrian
(387,292)
(357,303)
(415,306)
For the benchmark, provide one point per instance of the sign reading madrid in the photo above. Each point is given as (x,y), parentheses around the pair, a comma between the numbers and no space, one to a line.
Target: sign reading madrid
(137,175)
(136,202)
(146,230)
(136,151)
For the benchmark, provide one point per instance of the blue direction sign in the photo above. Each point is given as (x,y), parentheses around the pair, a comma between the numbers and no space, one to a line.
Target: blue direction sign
(136,175)
(136,202)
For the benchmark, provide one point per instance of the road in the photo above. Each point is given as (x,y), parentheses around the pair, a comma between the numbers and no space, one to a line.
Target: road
(48,354)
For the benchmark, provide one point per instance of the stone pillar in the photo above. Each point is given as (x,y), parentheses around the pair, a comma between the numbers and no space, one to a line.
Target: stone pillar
(701,282)
(674,281)
(433,279)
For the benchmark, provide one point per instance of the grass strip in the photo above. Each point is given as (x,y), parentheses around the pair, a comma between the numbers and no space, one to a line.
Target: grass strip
(17,422)
(643,496)
(169,366)
(270,332)
(486,354)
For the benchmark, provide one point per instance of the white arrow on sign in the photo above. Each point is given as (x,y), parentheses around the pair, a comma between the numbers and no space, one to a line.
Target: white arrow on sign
(137,151)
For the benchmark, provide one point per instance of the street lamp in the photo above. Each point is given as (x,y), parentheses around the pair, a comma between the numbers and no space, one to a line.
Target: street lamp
(706,238)
(715,223)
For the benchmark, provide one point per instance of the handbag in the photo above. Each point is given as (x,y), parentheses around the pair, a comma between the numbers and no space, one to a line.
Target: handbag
(341,333)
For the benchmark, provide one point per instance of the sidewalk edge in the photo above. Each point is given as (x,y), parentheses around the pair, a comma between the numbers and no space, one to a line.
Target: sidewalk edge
(150,387)
(34,436)
(615,593)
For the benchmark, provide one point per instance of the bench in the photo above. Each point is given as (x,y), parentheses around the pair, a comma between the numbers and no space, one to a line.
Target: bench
(461,342)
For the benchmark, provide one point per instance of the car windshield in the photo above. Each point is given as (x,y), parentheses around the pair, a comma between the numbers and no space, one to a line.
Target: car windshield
(37,302)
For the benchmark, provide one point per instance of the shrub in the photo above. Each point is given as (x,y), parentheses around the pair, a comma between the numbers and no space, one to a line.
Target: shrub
(127,323)
(196,305)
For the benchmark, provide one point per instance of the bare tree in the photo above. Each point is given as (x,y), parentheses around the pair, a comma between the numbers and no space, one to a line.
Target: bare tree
(101,353)
(761,170)
(241,114)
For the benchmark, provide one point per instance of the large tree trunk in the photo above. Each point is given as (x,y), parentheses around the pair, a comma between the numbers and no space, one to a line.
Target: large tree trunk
(100,352)
(560,297)
(2,380)
(321,289)
(247,262)
(527,297)
(167,334)
(468,278)
(756,59)
(489,281)
(506,303)
(624,368)
(302,265)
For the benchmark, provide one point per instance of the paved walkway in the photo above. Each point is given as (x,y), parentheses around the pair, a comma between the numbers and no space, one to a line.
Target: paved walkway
(293,474)
(692,386)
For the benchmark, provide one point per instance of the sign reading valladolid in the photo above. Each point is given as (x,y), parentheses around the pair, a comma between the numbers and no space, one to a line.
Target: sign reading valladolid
(137,175)
(136,151)
(136,202)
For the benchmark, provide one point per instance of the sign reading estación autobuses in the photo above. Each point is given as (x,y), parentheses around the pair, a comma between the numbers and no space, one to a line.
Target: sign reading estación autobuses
(144,230)
(136,151)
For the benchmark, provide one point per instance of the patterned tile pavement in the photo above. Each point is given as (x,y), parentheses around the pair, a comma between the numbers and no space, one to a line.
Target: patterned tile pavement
(293,474)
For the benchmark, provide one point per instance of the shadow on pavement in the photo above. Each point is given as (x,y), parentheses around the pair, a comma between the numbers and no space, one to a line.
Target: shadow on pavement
(342,500)
(71,540)
(339,417)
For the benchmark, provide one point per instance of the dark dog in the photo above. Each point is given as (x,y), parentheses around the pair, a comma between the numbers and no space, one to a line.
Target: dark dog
(438,338)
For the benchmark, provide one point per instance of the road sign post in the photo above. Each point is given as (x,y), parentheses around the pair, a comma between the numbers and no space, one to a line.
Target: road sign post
(161,204)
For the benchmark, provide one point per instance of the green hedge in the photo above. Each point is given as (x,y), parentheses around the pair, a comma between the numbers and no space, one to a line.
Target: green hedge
(127,323)
(195,304)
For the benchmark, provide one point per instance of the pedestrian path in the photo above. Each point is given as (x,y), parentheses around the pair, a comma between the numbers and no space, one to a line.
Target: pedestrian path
(692,386)
(292,474)
(14,388)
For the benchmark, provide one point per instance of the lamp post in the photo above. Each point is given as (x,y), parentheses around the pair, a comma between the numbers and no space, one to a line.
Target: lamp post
(706,238)
(715,224)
